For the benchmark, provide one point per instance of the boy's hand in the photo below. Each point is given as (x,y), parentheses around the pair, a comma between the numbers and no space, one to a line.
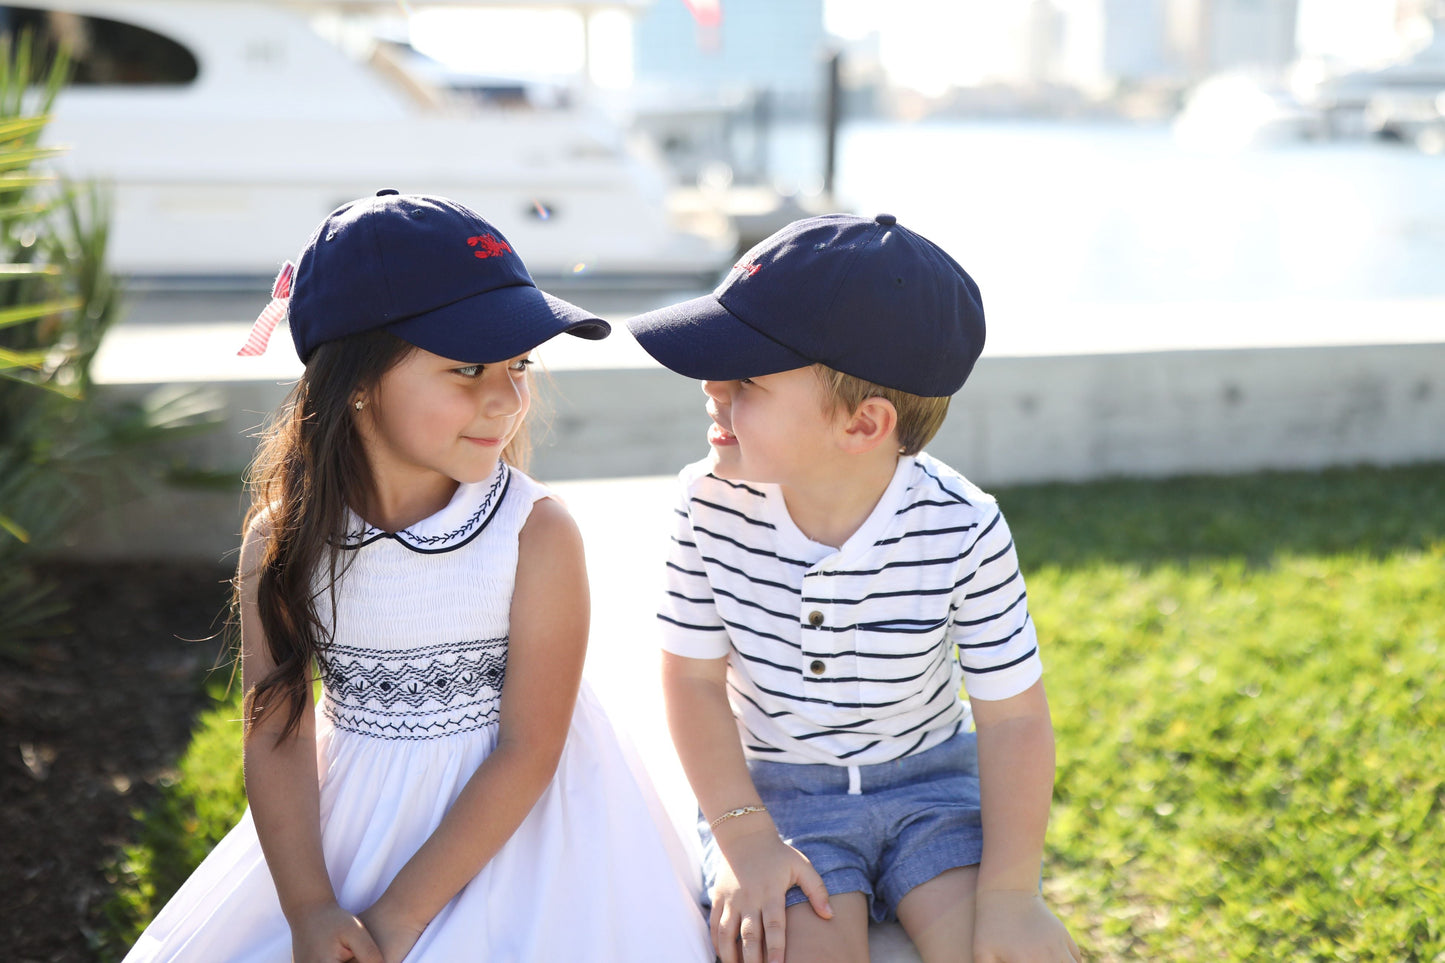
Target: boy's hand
(748,917)
(1016,926)
(329,934)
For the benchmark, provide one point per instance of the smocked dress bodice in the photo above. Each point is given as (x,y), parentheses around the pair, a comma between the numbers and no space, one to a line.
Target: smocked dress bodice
(421,616)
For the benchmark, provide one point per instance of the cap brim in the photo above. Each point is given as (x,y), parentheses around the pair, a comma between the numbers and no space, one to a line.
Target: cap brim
(704,340)
(498,324)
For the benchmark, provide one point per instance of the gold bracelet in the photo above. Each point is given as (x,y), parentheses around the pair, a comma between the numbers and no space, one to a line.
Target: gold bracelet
(732,813)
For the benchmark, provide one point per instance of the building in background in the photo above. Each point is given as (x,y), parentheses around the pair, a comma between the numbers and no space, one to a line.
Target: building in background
(1112,42)
(710,75)
(749,46)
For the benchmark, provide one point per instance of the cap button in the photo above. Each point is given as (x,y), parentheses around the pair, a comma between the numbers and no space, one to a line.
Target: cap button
(887,220)
(387,190)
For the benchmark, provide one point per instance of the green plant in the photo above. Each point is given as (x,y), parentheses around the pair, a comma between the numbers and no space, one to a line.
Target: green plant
(199,803)
(59,448)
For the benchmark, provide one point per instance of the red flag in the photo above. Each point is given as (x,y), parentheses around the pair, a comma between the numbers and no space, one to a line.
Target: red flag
(707,13)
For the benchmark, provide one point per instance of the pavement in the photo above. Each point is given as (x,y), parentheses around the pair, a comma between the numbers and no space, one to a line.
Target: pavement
(624,525)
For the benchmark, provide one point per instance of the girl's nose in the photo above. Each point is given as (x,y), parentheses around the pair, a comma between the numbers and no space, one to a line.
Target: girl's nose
(507,397)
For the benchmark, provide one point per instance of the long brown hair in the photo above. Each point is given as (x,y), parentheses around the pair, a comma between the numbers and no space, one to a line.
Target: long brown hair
(310,468)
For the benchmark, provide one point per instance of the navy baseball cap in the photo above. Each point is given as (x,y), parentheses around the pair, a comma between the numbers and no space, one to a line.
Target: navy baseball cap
(430,271)
(869,298)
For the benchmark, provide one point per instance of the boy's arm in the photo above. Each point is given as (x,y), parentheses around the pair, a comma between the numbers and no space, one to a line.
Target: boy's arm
(694,695)
(548,643)
(748,901)
(285,797)
(998,650)
(748,898)
(1016,779)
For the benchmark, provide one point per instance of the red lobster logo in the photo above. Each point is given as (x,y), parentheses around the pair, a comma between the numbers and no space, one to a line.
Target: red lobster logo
(488,246)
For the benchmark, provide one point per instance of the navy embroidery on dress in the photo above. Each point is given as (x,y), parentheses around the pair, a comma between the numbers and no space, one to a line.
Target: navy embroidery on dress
(456,538)
(415,693)
(412,729)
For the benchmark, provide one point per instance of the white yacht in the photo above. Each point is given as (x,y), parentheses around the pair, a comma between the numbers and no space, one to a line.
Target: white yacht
(229,128)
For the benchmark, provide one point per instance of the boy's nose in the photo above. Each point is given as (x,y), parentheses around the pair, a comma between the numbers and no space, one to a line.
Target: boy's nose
(717,390)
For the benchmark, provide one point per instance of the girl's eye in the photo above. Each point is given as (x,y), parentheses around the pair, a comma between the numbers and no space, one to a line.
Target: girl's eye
(469,371)
(521,364)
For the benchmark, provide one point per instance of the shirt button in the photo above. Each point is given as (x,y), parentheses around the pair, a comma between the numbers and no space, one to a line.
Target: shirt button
(815,618)
(817,667)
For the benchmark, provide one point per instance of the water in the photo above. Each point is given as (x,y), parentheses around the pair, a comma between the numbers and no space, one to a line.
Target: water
(1109,213)
(1084,237)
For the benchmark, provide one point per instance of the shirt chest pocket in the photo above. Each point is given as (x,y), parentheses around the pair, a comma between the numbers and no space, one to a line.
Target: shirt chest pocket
(903,660)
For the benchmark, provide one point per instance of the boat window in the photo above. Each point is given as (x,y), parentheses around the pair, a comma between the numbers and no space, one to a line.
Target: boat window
(103,52)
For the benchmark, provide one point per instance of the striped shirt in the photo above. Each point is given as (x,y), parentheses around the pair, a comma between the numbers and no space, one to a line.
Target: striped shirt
(854,655)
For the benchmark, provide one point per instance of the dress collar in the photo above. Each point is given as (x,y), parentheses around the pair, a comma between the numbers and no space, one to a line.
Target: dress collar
(462,519)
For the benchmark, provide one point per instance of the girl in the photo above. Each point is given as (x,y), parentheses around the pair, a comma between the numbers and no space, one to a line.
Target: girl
(426,811)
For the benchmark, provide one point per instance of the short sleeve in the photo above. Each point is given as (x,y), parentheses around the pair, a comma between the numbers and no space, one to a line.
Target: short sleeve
(690,623)
(994,635)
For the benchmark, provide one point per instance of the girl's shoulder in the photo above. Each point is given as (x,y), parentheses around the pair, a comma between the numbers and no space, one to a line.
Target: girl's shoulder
(536,501)
(527,488)
(549,536)
(254,539)
(539,513)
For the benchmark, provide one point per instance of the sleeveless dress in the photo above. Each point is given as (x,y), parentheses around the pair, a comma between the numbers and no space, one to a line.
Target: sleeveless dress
(412,681)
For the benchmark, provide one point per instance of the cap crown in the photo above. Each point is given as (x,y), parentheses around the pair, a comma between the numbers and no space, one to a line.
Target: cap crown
(869,298)
(383,259)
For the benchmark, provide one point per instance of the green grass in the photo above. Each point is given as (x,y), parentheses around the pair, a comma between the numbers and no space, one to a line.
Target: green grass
(1246,676)
(200,801)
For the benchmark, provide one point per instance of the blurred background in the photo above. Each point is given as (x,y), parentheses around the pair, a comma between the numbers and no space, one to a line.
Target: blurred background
(1209,233)
(1095,150)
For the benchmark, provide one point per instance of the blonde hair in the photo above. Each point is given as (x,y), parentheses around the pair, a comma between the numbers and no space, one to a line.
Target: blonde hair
(919,418)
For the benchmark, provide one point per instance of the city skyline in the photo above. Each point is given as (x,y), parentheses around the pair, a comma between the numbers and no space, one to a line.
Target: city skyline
(930,45)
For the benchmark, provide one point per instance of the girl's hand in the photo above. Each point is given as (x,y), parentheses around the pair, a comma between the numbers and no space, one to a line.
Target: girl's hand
(393,932)
(1016,926)
(329,934)
(748,917)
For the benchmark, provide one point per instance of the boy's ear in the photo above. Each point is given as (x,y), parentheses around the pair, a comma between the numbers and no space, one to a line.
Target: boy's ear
(873,424)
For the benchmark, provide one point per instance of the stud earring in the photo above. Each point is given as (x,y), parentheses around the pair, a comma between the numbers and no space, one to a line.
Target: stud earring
(358,404)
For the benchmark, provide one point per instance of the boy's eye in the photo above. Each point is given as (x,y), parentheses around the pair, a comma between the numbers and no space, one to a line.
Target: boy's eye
(745,381)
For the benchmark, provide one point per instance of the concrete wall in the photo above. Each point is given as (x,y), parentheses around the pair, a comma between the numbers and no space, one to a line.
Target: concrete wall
(1018,420)
(1078,417)
(1152,415)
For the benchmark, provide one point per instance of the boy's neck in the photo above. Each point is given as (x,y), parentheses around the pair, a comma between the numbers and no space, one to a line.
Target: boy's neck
(830,509)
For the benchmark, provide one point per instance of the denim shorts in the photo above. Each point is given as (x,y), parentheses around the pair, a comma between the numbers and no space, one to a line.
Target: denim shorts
(908,821)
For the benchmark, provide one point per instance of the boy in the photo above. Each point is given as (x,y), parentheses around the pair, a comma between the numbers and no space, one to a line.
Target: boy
(829,586)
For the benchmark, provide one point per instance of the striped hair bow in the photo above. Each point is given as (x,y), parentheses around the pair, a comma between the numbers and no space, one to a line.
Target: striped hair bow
(271,314)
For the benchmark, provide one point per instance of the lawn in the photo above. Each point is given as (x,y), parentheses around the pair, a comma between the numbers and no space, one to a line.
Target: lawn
(1246,678)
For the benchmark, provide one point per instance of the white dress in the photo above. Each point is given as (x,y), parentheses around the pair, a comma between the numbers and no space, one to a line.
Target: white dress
(412,691)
